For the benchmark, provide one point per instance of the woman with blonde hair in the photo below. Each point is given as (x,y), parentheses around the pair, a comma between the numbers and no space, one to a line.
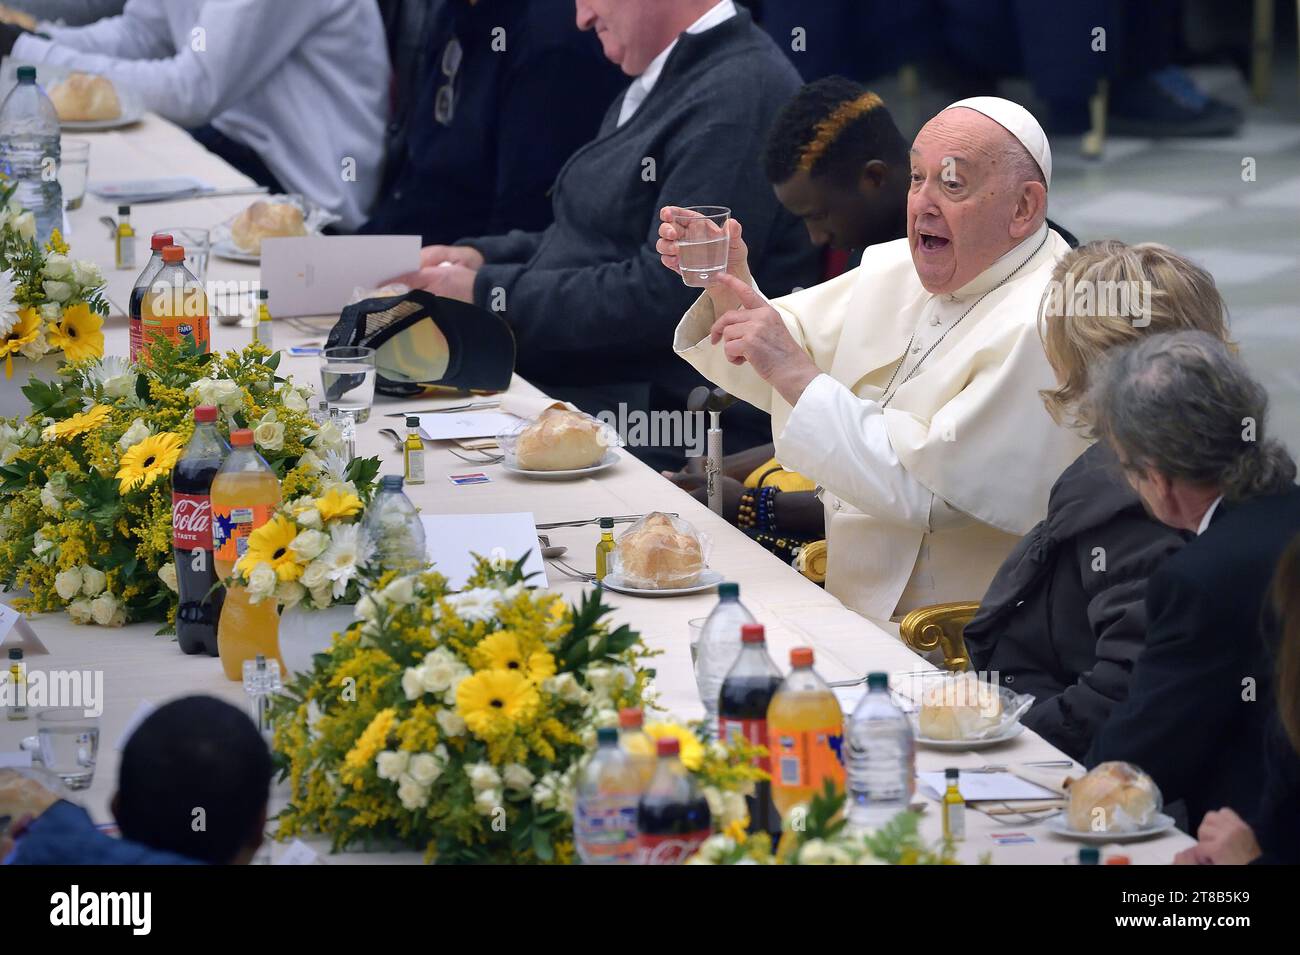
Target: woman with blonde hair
(1065,617)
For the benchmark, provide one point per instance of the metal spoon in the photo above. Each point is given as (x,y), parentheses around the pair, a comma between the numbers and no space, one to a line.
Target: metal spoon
(394,436)
(549,552)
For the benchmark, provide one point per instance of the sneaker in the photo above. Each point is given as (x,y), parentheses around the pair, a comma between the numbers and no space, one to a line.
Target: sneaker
(1167,103)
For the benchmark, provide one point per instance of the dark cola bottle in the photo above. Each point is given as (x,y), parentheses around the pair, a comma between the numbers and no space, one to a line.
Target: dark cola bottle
(746,694)
(672,817)
(197,616)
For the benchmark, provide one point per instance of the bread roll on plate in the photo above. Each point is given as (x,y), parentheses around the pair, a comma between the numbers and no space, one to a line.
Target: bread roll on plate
(560,440)
(265,220)
(656,554)
(85,97)
(959,708)
(1113,797)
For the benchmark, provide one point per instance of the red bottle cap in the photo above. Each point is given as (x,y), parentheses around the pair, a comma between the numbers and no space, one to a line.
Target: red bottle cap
(668,746)
(752,633)
(160,241)
(173,253)
(205,413)
(630,717)
(801,657)
(241,438)
(1117,860)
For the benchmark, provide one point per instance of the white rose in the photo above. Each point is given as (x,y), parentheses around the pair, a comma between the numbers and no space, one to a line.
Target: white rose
(120,386)
(68,582)
(44,549)
(309,518)
(37,348)
(401,591)
(79,610)
(425,769)
(269,435)
(261,583)
(328,438)
(820,852)
(92,581)
(57,266)
(440,674)
(293,400)
(87,274)
(391,764)
(412,794)
(49,499)
(317,573)
(308,545)
(367,609)
(310,462)
(107,611)
(518,778)
(167,574)
(323,595)
(57,291)
(487,801)
(413,683)
(134,434)
(483,776)
(289,593)
(566,687)
(451,723)
(221,392)
(51,311)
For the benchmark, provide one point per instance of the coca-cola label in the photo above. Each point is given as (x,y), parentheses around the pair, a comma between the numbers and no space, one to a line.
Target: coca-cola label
(755,731)
(670,850)
(191,521)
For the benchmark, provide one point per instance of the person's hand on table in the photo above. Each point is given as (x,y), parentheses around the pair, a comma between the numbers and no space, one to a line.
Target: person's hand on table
(433,255)
(449,281)
(1224,838)
(737,257)
(22,800)
(754,332)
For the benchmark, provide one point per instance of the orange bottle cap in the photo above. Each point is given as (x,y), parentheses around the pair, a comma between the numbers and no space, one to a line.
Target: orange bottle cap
(173,253)
(629,717)
(241,438)
(801,657)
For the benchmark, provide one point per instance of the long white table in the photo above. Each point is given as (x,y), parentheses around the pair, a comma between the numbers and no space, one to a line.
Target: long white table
(139,666)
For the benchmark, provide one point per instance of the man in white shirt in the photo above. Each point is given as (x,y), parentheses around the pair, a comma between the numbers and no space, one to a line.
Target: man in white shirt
(302,86)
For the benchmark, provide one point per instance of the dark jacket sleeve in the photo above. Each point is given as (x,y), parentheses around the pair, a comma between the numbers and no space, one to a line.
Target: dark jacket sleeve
(515,247)
(1115,562)
(1277,823)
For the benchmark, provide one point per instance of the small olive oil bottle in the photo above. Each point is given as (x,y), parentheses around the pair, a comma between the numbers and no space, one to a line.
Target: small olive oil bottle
(413,453)
(604,546)
(954,809)
(124,240)
(262,333)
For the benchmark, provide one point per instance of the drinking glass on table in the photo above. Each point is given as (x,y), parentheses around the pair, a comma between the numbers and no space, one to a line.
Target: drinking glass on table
(197,244)
(701,243)
(697,628)
(68,742)
(347,376)
(74,171)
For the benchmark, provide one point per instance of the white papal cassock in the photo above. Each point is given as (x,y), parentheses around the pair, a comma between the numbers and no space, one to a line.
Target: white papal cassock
(926,495)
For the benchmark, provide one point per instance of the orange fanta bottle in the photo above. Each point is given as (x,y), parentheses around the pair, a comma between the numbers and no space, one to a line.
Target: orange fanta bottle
(805,727)
(244,494)
(175,305)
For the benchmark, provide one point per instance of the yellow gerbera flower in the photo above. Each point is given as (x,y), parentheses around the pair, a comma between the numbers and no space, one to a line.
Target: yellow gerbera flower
(337,504)
(147,460)
(540,666)
(79,423)
(499,651)
(269,544)
(493,702)
(692,750)
(22,334)
(78,334)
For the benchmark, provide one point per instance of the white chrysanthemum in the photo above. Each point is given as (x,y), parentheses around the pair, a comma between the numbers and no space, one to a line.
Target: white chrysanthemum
(113,374)
(411,793)
(8,302)
(476,604)
(349,551)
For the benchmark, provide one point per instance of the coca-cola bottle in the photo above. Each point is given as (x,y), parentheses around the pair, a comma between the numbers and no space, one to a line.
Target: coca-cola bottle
(197,616)
(672,818)
(746,694)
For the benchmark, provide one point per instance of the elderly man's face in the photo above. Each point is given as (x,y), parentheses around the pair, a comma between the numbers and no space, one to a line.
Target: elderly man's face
(631,32)
(962,204)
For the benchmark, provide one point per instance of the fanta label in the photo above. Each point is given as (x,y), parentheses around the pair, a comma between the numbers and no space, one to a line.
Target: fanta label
(231,527)
(806,758)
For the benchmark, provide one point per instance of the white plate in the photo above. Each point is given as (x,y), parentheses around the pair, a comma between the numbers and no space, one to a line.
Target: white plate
(130,116)
(1060,825)
(708,580)
(608,461)
(964,744)
(225,249)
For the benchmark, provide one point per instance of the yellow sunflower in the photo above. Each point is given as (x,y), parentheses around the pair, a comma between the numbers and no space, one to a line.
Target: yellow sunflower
(78,335)
(337,504)
(493,702)
(80,423)
(147,460)
(269,544)
(692,750)
(22,334)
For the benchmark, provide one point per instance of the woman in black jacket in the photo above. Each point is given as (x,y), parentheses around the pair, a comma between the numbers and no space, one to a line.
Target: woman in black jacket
(1065,618)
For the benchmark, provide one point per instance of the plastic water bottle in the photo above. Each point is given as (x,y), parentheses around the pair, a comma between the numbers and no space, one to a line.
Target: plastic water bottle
(880,758)
(29,152)
(719,647)
(604,812)
(393,523)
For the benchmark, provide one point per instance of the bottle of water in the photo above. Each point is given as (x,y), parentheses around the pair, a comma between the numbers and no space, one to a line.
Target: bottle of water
(718,649)
(604,812)
(880,758)
(393,523)
(29,152)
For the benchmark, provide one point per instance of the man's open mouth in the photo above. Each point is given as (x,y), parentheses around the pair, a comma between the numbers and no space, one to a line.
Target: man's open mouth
(933,243)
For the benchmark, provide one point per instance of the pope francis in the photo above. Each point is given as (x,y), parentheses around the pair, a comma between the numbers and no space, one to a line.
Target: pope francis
(908,387)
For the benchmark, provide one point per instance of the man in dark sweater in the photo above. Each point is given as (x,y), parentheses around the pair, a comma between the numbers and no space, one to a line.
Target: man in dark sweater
(1186,422)
(592,309)
(474,145)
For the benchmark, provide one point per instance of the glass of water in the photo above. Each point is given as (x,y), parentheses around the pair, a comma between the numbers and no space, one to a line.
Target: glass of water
(701,243)
(69,744)
(74,171)
(347,377)
(697,629)
(197,244)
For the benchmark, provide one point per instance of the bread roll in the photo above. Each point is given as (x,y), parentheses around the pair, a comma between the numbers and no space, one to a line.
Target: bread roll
(84,97)
(959,708)
(560,440)
(1113,797)
(265,220)
(656,556)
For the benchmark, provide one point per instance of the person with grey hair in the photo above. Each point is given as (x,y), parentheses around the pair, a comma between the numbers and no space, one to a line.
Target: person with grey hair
(1187,424)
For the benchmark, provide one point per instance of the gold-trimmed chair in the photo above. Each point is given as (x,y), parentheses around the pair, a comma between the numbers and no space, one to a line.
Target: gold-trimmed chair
(940,626)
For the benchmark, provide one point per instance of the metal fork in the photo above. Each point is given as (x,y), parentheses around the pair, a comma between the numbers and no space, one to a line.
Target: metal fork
(486,459)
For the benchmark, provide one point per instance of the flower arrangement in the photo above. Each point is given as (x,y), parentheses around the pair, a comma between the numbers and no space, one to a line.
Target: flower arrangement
(85,478)
(48,301)
(455,723)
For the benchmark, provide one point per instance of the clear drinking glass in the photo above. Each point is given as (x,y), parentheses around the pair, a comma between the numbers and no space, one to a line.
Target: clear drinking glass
(697,628)
(74,171)
(347,376)
(69,745)
(197,244)
(701,243)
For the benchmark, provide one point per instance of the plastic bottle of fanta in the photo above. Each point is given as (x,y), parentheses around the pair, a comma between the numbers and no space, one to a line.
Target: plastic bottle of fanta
(175,305)
(805,729)
(244,494)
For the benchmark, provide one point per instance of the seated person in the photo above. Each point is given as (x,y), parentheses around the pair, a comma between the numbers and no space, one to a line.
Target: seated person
(590,306)
(195,754)
(1065,618)
(480,145)
(293,95)
(1273,838)
(1187,425)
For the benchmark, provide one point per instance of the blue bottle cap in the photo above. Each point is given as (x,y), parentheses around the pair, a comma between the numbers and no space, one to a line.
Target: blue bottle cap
(729,590)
